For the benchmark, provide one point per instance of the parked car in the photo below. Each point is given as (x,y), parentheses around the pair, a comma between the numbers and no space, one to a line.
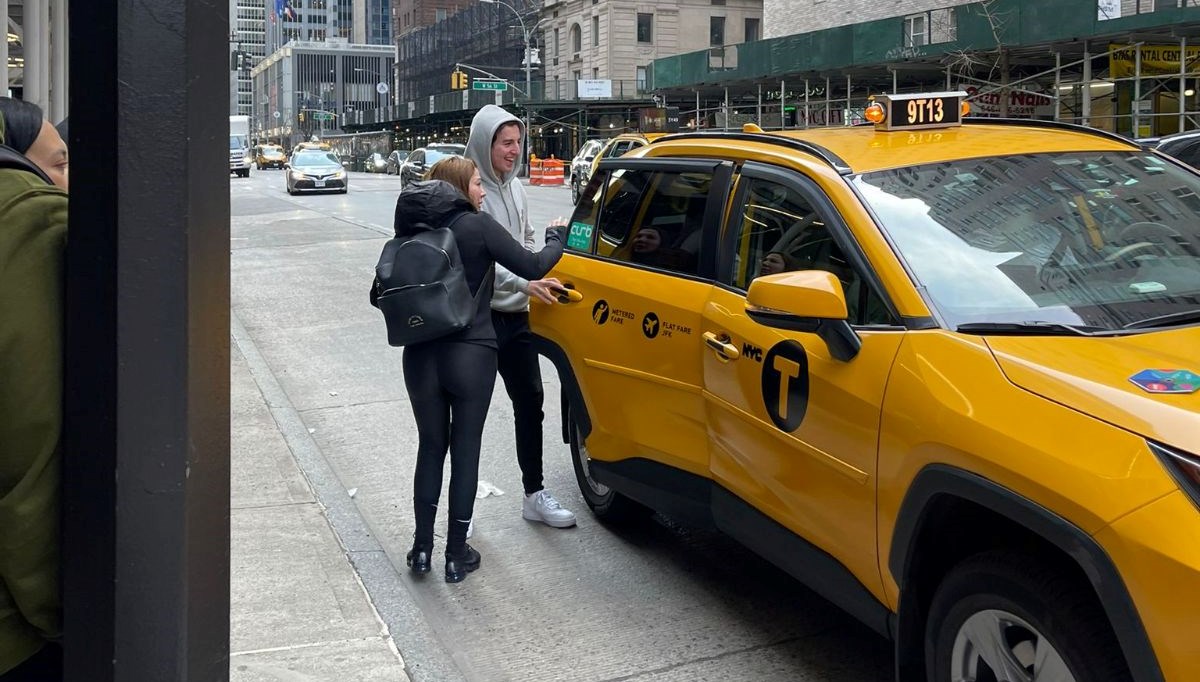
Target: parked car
(1184,146)
(314,170)
(418,162)
(581,167)
(395,160)
(616,146)
(945,371)
(375,163)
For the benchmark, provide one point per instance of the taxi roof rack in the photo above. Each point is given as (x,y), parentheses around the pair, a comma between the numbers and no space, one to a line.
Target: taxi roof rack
(1058,125)
(816,150)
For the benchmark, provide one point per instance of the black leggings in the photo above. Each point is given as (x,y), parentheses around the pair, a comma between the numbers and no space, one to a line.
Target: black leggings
(450,388)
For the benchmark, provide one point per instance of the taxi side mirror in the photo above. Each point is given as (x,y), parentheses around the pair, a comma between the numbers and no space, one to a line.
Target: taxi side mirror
(805,301)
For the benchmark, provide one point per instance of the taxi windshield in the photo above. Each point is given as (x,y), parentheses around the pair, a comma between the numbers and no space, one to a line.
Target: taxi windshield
(1102,240)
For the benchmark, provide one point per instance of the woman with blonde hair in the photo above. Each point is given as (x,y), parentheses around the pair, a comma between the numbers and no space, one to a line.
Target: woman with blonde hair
(450,379)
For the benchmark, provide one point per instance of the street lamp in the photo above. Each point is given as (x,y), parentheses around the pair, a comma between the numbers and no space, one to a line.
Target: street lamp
(528,68)
(379,79)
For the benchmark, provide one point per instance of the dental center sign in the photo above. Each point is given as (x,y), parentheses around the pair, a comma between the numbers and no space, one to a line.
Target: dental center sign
(1156,60)
(1020,103)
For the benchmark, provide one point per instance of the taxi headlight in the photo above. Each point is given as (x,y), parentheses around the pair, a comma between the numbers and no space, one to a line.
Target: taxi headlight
(1184,468)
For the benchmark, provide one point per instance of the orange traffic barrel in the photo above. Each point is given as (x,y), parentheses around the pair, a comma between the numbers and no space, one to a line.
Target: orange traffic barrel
(552,173)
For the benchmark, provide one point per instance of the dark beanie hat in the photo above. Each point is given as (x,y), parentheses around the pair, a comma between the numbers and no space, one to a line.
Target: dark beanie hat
(20,123)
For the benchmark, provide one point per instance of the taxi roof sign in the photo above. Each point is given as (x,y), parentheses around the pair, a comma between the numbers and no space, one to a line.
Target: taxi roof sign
(912,111)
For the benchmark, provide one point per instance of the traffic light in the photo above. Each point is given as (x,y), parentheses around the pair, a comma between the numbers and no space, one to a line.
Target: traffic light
(458,80)
(302,117)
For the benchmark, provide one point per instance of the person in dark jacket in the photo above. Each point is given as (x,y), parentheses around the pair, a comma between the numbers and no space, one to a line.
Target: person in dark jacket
(33,234)
(450,379)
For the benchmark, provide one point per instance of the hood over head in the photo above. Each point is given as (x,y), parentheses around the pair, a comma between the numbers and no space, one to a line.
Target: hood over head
(479,145)
(428,205)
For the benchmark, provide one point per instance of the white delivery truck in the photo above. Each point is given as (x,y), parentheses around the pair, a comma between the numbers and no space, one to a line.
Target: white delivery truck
(240,157)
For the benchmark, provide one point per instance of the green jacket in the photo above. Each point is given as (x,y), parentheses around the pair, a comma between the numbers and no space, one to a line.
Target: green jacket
(33,234)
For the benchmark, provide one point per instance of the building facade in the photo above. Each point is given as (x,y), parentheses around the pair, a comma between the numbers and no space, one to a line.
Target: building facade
(617,40)
(372,22)
(410,15)
(308,21)
(309,88)
(247,43)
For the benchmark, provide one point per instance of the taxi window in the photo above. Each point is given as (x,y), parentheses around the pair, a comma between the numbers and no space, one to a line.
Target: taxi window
(779,230)
(652,218)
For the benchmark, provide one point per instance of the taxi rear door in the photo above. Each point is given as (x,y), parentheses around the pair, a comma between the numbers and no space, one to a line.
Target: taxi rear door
(633,340)
(794,430)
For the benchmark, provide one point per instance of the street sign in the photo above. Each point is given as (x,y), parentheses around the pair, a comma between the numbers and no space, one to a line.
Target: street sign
(484,84)
(381,88)
(322,116)
(276,114)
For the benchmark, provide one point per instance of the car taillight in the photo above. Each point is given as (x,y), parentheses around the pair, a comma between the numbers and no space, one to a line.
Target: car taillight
(1184,468)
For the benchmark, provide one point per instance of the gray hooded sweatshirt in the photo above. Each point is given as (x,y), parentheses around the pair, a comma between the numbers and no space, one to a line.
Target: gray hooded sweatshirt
(505,201)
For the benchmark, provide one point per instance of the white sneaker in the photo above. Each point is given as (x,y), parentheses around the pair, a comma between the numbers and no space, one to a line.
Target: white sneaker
(471,527)
(541,506)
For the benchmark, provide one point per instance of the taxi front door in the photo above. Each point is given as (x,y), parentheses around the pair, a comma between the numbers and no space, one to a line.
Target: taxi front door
(634,336)
(793,430)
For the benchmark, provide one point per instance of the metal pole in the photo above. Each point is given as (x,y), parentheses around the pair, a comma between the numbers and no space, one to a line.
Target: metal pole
(1137,91)
(782,103)
(1086,89)
(528,89)
(1182,80)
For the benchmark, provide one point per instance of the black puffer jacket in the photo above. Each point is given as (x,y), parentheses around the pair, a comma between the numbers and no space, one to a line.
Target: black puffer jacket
(431,204)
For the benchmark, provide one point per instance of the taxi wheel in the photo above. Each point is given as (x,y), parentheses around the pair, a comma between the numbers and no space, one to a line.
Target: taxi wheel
(1006,616)
(574,190)
(606,504)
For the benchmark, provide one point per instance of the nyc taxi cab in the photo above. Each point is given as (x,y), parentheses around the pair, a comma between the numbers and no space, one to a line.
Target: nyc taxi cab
(945,371)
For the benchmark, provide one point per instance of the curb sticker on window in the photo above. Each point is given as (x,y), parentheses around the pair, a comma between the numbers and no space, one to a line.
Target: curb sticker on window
(1167,380)
(785,384)
(580,236)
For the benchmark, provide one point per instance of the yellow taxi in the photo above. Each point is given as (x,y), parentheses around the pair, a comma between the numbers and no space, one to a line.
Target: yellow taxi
(942,370)
(269,156)
(619,145)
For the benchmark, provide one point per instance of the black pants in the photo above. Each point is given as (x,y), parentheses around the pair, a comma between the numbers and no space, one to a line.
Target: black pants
(44,666)
(450,388)
(522,375)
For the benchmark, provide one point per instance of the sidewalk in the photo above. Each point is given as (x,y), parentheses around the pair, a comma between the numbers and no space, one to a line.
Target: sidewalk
(298,609)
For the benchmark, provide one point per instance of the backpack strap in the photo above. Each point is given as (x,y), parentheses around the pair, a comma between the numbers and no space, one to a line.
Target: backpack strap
(11,158)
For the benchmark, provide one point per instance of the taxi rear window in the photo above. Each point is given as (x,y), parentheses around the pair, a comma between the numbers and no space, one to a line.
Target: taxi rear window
(644,216)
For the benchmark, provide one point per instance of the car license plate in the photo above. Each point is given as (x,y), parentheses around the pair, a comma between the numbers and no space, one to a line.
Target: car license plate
(318,183)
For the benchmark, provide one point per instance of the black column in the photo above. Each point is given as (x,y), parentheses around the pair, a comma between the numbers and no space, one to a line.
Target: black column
(146,450)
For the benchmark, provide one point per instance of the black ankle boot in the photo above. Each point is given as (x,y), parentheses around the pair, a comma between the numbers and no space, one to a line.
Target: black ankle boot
(461,558)
(459,565)
(418,558)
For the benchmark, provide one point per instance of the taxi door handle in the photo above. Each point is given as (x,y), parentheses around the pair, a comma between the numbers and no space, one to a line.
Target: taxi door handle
(721,345)
(568,294)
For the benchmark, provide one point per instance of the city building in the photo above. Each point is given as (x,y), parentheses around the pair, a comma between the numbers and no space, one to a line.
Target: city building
(372,22)
(308,21)
(1109,64)
(34,56)
(247,43)
(309,88)
(574,69)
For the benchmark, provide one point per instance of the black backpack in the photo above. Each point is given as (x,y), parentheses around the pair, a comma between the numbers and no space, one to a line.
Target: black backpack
(421,287)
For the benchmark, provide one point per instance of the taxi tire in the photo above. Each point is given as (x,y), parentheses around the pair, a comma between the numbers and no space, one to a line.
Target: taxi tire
(1052,601)
(609,506)
(575,189)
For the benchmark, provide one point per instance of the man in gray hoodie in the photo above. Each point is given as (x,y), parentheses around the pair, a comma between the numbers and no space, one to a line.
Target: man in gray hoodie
(495,145)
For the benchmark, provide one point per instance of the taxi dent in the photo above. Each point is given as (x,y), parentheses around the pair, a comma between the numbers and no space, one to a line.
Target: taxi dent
(946,375)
